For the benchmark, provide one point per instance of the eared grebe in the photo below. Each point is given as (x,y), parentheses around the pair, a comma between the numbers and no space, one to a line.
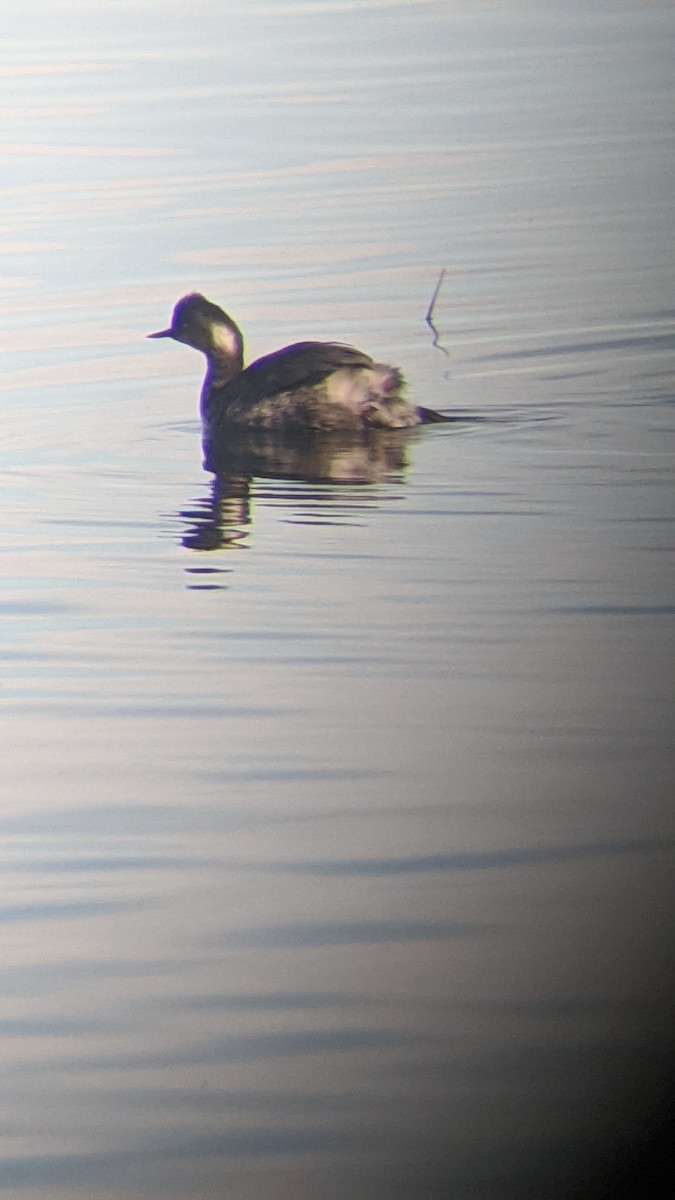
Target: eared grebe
(305,388)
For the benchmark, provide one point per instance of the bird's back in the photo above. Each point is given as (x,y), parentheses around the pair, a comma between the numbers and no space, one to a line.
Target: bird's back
(299,365)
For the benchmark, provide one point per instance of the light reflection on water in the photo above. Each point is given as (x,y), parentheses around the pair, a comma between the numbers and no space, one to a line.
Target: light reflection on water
(335,812)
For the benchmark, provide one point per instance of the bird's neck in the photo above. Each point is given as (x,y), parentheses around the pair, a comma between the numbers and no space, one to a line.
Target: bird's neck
(221,368)
(224,362)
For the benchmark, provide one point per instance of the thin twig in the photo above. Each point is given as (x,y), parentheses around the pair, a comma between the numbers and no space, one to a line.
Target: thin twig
(430,314)
(434,298)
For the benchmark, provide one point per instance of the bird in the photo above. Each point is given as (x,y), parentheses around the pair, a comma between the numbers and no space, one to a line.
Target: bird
(305,388)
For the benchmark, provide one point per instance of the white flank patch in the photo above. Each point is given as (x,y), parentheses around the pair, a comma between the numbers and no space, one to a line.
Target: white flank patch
(349,388)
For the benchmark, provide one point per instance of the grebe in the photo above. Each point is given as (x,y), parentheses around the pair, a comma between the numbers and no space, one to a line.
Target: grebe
(309,387)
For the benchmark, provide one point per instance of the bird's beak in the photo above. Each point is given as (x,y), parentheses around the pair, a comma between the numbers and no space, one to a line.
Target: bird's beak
(162,333)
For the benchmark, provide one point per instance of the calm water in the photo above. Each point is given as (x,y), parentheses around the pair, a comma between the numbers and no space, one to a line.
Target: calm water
(336,831)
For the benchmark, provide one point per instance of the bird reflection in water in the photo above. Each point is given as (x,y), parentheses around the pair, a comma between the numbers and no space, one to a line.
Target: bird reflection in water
(222,520)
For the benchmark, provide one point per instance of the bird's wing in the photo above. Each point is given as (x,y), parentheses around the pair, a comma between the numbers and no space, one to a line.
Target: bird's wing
(299,365)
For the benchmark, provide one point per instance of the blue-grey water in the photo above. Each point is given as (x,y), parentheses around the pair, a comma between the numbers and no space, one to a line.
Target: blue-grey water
(336,808)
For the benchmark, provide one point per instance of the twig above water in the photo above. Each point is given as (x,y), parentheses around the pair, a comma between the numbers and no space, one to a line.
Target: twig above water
(430,314)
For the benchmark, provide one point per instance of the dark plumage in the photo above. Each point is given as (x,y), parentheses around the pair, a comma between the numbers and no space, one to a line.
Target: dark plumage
(307,387)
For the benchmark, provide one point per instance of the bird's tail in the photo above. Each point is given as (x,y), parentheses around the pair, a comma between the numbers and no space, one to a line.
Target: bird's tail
(429,417)
(390,379)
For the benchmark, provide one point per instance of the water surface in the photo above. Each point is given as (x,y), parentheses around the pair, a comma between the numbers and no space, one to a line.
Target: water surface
(336,820)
